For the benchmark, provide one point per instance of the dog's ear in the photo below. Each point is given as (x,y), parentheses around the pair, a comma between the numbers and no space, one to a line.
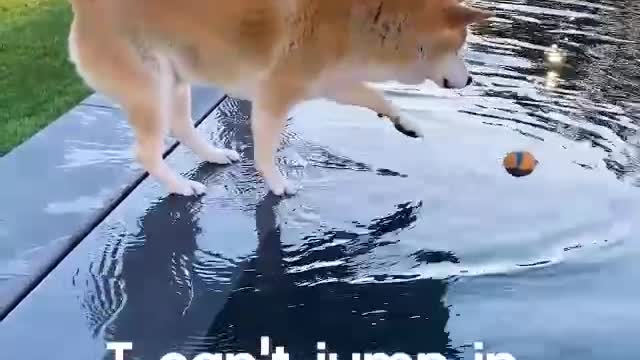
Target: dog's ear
(458,15)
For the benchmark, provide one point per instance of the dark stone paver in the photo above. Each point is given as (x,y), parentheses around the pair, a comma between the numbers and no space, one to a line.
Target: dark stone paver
(54,187)
(168,234)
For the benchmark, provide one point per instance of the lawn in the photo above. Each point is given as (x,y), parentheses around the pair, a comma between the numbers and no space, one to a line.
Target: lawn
(37,82)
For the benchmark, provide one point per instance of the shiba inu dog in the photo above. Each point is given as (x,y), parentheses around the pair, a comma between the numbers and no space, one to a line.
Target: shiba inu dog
(144,54)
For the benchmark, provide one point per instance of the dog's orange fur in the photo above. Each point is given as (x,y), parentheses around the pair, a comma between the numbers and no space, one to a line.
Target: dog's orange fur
(277,53)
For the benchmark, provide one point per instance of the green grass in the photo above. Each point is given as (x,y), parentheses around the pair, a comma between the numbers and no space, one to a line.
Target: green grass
(37,81)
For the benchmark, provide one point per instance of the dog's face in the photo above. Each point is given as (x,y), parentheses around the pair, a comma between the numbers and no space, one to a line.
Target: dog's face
(447,65)
(443,31)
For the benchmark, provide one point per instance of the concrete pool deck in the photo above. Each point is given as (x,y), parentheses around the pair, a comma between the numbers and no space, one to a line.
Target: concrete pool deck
(59,184)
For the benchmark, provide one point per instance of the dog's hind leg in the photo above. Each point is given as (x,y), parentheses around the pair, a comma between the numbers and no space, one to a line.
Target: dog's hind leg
(183,129)
(143,89)
(150,123)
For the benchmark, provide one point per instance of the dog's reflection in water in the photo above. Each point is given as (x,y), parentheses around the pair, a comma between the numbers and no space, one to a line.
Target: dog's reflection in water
(176,302)
(404,316)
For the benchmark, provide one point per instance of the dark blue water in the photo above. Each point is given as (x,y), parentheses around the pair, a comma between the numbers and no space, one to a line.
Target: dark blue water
(392,244)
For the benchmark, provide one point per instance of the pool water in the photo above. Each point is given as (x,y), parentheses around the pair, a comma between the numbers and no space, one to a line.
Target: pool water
(392,245)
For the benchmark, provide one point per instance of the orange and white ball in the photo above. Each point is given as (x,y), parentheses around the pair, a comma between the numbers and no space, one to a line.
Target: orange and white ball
(519,163)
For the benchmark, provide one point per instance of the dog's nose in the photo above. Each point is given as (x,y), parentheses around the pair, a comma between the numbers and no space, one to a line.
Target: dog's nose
(447,84)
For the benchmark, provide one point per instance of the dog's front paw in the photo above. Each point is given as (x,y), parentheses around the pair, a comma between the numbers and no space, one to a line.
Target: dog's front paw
(186,187)
(407,131)
(280,186)
(408,127)
(221,156)
(405,125)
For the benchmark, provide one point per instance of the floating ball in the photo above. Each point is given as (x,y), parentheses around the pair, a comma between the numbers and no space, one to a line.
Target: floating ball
(519,163)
